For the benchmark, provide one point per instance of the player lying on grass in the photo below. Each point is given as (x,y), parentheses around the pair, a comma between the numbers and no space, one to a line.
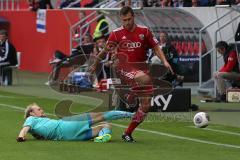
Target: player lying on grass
(74,128)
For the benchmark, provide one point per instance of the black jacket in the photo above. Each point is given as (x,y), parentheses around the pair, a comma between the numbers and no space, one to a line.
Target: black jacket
(8,53)
(171,54)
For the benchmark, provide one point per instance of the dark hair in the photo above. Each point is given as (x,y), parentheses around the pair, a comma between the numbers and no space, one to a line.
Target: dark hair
(3,32)
(222,44)
(125,10)
(164,32)
(100,37)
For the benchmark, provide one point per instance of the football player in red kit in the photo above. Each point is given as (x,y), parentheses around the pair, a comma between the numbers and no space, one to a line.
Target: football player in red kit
(130,43)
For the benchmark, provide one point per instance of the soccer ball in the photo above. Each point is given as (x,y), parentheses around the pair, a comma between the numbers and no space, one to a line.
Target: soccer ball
(201,120)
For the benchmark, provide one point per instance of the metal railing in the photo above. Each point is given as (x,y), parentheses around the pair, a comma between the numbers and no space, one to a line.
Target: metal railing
(91,18)
(201,56)
(213,51)
(73,3)
(9,4)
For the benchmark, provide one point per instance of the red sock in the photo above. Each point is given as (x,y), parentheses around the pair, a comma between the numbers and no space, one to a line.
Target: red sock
(139,116)
(137,119)
(131,127)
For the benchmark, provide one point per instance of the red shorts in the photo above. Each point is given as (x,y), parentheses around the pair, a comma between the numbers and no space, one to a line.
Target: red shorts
(127,72)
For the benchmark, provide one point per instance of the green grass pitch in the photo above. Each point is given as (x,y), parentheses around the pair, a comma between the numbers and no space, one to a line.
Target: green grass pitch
(163,136)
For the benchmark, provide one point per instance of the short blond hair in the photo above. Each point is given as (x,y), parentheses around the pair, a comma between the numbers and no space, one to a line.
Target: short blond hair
(28,110)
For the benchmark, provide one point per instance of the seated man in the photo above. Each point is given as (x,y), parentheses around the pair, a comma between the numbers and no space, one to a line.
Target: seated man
(8,57)
(80,53)
(100,43)
(172,57)
(229,71)
(73,128)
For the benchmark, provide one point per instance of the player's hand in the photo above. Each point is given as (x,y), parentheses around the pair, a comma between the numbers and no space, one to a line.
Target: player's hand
(20,139)
(166,64)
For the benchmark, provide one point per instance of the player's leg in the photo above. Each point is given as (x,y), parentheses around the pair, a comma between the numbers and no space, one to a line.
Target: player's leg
(102,132)
(110,115)
(220,83)
(56,71)
(82,130)
(94,118)
(144,90)
(220,80)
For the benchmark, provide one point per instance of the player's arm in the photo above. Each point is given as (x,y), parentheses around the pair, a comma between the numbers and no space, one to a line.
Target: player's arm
(231,62)
(162,57)
(23,133)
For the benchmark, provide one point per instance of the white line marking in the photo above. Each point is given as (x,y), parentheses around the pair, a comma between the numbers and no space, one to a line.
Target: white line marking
(181,137)
(20,108)
(14,97)
(219,131)
(97,102)
(149,131)
(11,106)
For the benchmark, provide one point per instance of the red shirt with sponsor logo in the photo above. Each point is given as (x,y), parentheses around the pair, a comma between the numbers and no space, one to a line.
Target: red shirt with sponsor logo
(133,44)
(231,63)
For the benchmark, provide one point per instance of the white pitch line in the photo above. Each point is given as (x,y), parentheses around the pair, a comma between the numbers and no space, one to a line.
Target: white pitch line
(149,131)
(219,131)
(14,97)
(11,106)
(20,108)
(181,137)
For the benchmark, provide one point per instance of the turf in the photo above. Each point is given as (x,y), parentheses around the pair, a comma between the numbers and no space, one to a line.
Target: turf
(164,135)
